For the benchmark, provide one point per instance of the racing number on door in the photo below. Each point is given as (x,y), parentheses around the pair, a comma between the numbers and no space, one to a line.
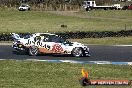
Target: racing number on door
(57,48)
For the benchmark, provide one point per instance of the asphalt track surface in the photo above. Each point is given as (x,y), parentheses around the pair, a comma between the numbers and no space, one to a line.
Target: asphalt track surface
(98,53)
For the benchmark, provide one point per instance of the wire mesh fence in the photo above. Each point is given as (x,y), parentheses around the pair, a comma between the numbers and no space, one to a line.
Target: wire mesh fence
(77,35)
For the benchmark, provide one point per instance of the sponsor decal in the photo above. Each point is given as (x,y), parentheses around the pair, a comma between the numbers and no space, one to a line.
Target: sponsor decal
(109,82)
(57,48)
(85,81)
(39,44)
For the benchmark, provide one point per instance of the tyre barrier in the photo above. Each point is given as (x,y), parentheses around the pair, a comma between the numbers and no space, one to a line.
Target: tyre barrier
(77,35)
(5,37)
(8,37)
(80,35)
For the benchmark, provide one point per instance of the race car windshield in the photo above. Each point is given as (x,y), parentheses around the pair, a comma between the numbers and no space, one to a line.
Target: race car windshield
(27,36)
(54,38)
(58,39)
(61,40)
(23,5)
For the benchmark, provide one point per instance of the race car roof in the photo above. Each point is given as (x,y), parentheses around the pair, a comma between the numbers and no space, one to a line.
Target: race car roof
(43,34)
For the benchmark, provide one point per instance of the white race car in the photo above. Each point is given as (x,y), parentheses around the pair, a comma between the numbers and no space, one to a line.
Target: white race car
(24,8)
(47,43)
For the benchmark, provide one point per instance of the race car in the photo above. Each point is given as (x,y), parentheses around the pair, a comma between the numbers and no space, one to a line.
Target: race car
(24,8)
(47,43)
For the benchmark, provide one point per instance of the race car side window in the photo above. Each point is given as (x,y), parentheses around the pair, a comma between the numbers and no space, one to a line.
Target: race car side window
(52,38)
(37,38)
(57,39)
(46,39)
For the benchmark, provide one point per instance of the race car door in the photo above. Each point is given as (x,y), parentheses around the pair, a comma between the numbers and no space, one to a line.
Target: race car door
(51,44)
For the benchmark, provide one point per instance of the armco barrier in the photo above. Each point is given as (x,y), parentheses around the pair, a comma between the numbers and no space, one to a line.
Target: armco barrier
(78,35)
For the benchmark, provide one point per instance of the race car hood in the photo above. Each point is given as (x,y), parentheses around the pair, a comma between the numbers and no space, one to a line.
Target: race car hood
(77,44)
(73,44)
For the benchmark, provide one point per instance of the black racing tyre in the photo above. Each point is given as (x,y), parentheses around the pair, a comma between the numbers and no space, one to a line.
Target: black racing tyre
(20,9)
(33,50)
(88,9)
(29,9)
(77,52)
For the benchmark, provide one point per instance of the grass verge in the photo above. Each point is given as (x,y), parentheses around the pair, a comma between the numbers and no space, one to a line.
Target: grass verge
(41,21)
(27,74)
(105,41)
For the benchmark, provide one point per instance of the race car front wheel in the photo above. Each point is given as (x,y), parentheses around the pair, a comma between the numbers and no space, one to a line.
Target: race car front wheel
(77,52)
(33,50)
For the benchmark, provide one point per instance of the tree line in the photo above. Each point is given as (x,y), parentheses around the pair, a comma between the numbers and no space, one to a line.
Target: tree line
(72,2)
(52,3)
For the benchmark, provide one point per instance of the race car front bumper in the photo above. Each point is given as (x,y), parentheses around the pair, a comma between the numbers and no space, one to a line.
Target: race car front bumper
(86,51)
(18,47)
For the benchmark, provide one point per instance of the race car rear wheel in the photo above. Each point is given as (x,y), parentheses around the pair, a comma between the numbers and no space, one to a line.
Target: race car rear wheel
(21,9)
(77,52)
(33,50)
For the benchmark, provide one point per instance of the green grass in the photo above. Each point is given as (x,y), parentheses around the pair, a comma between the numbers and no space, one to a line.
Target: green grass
(41,21)
(27,74)
(115,14)
(105,41)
